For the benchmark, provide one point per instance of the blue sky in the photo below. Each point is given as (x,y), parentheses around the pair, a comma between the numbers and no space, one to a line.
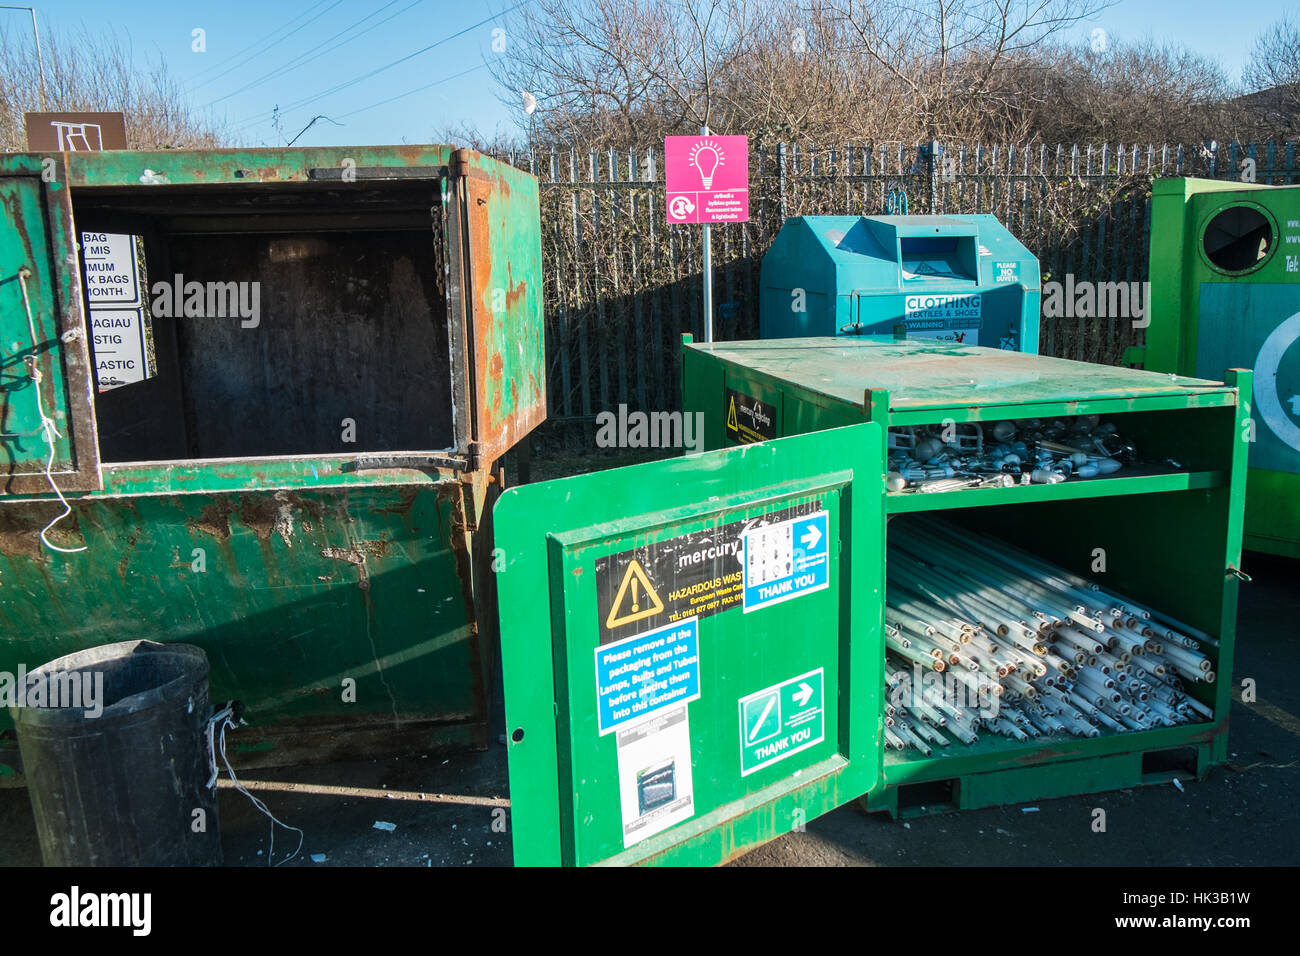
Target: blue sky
(262,53)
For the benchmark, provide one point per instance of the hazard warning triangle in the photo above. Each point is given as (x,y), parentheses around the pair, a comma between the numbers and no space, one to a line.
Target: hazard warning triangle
(731,416)
(636,598)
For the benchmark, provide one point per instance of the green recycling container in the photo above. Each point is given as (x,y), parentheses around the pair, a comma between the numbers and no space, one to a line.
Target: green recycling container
(694,649)
(278,385)
(1225,293)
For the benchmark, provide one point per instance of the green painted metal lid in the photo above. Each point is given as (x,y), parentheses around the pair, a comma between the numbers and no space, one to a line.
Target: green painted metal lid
(921,374)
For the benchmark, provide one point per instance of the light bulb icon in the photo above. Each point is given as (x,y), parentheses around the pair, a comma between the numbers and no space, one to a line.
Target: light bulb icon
(707,157)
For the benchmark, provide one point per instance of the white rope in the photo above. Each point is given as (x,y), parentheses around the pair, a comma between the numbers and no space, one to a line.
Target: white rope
(47,423)
(224,717)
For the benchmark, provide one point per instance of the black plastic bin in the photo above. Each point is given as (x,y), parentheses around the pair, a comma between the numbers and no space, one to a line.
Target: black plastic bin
(125,786)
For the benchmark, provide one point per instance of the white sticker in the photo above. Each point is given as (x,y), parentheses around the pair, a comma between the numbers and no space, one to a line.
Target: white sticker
(109,263)
(118,339)
(654,775)
(943,306)
(941,315)
(786,560)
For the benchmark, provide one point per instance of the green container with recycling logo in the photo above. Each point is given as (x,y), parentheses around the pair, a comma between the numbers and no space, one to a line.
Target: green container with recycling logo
(1225,293)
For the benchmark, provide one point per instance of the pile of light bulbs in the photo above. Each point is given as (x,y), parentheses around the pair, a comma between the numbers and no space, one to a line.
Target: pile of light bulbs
(929,458)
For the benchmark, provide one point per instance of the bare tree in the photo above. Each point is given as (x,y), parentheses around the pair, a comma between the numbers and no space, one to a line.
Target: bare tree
(616,72)
(624,73)
(794,80)
(1125,92)
(92,72)
(950,57)
(1273,72)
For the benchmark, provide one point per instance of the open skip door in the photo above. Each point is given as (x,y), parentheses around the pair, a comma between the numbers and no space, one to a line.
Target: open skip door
(692,649)
(44,362)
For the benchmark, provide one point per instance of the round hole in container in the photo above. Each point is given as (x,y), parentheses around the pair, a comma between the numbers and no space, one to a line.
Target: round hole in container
(518,735)
(1238,238)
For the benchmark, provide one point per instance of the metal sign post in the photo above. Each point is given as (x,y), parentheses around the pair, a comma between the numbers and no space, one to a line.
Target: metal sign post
(708,271)
(707,181)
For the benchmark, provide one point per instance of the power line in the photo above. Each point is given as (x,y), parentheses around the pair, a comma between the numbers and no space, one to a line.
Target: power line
(418,89)
(248,59)
(305,101)
(387,66)
(305,57)
(263,39)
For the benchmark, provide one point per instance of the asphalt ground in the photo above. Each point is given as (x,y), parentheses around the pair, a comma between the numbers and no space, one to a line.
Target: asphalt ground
(451,810)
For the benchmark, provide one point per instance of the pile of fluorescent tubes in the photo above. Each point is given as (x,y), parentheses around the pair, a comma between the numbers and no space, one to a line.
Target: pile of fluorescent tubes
(982,637)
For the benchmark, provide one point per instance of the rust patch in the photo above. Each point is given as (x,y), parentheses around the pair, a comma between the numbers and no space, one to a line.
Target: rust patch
(515,295)
(402,507)
(307,506)
(259,513)
(377,548)
(352,556)
(465,572)
(276,513)
(21,525)
(214,519)
(20,537)
(414,155)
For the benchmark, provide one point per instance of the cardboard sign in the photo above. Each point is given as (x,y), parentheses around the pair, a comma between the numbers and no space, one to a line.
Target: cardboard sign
(75,132)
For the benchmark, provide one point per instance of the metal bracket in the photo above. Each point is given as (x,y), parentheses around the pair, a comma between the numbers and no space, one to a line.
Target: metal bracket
(372,173)
(416,462)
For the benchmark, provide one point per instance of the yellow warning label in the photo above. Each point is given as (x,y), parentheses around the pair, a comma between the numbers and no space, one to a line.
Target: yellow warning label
(639,596)
(731,415)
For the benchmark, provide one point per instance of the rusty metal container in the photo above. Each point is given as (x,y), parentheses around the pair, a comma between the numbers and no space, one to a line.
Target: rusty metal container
(275,388)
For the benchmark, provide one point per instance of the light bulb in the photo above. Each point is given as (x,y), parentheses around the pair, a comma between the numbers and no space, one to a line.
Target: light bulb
(706,158)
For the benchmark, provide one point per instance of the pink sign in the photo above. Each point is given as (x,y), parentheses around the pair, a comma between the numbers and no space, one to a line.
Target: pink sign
(707,178)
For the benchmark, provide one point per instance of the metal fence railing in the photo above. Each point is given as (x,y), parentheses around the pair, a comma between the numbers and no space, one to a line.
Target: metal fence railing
(621,285)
